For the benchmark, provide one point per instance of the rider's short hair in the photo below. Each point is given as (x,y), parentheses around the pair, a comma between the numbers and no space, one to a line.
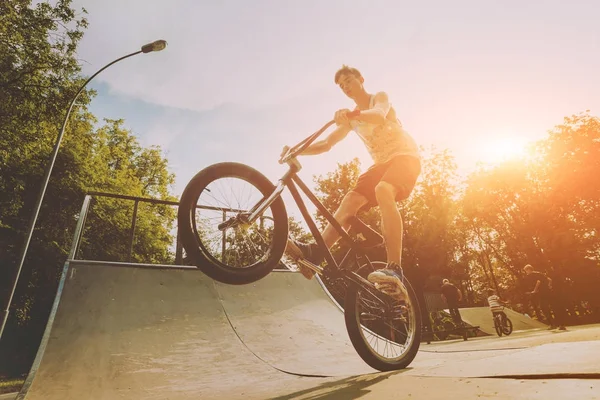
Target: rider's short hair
(346,70)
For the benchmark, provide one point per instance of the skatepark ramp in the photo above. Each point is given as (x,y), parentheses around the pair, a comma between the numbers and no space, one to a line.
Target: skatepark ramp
(143,331)
(482,317)
(122,330)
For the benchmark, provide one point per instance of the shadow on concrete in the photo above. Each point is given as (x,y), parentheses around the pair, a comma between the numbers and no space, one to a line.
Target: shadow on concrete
(344,389)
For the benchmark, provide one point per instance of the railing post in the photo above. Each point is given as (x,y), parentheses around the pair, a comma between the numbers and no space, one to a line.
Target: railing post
(132,237)
(224,238)
(79,227)
(84,217)
(178,252)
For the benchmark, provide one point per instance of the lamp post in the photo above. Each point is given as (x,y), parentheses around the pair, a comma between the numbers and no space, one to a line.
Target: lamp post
(148,48)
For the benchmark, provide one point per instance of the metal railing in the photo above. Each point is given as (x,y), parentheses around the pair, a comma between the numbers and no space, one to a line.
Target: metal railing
(87,204)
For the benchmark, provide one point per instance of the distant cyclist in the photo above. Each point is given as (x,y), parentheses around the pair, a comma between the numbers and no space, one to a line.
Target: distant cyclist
(495,304)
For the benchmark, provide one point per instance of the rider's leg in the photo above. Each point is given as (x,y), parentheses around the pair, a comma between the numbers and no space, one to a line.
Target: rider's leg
(391,221)
(396,184)
(350,205)
(391,224)
(348,208)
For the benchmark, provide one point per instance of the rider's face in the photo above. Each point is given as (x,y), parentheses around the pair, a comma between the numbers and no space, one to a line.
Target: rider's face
(350,84)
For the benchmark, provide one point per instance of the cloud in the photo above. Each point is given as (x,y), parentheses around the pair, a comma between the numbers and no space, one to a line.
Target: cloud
(240,79)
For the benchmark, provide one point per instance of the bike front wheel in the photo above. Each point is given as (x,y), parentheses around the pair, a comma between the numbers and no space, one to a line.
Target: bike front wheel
(507,327)
(214,228)
(498,326)
(387,337)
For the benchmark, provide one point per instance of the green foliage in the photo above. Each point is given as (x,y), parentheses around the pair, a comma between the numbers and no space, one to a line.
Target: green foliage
(428,215)
(116,163)
(39,75)
(331,189)
(543,209)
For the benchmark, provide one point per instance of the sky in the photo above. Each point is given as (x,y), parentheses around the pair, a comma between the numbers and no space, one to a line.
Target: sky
(241,79)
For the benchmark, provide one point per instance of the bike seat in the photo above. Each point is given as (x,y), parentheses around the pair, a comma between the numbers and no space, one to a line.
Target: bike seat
(371,237)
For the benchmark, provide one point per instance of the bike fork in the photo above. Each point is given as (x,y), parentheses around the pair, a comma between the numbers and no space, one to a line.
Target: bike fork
(260,208)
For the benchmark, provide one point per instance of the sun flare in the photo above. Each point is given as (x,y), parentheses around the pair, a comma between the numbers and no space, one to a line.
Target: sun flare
(496,149)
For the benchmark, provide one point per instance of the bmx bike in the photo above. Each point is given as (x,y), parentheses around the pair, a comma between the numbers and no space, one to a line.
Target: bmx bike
(233,225)
(502,323)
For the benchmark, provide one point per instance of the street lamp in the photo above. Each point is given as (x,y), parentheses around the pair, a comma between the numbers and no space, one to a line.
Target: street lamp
(148,48)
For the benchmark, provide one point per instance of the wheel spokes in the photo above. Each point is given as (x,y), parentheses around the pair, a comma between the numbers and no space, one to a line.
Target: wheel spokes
(389,333)
(222,224)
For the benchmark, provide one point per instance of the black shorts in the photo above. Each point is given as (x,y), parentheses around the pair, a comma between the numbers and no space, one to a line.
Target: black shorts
(401,172)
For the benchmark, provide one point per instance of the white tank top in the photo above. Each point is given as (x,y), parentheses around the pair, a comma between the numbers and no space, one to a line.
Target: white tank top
(387,140)
(494,302)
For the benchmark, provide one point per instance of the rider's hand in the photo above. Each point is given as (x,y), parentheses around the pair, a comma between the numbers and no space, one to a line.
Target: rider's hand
(341,117)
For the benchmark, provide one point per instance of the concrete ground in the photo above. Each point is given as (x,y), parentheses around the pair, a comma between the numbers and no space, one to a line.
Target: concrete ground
(139,332)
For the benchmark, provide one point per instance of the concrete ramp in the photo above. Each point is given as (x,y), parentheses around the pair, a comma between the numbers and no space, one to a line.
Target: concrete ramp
(292,324)
(144,332)
(482,317)
(129,331)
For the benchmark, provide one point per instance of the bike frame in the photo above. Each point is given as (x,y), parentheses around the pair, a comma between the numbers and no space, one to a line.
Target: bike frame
(292,181)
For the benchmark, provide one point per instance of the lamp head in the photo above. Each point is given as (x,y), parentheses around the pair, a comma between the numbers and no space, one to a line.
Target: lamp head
(157,45)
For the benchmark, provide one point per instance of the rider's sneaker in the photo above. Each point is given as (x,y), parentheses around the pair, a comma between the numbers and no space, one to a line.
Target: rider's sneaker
(389,281)
(309,252)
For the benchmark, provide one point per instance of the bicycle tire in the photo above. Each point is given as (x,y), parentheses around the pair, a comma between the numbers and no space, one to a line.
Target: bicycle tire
(508,326)
(194,247)
(497,326)
(360,343)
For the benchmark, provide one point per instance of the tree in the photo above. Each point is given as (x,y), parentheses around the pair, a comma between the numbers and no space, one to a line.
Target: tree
(116,163)
(542,209)
(39,75)
(330,189)
(430,216)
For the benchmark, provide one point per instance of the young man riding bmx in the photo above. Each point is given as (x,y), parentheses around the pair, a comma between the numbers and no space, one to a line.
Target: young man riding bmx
(392,177)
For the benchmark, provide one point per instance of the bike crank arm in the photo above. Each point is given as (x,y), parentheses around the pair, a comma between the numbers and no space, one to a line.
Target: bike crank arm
(310,266)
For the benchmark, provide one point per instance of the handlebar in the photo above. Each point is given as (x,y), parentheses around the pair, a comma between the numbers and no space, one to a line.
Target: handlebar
(300,147)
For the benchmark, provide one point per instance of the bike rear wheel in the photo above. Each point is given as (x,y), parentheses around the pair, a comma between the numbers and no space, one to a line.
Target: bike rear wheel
(372,328)
(214,232)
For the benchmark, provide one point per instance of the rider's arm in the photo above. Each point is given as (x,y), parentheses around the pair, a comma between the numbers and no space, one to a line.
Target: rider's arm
(377,114)
(326,144)
(537,286)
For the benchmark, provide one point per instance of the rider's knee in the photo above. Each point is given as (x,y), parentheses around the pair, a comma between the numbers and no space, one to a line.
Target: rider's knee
(385,192)
(352,202)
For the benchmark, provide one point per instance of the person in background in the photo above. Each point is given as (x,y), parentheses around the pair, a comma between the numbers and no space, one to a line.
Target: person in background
(452,296)
(542,297)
